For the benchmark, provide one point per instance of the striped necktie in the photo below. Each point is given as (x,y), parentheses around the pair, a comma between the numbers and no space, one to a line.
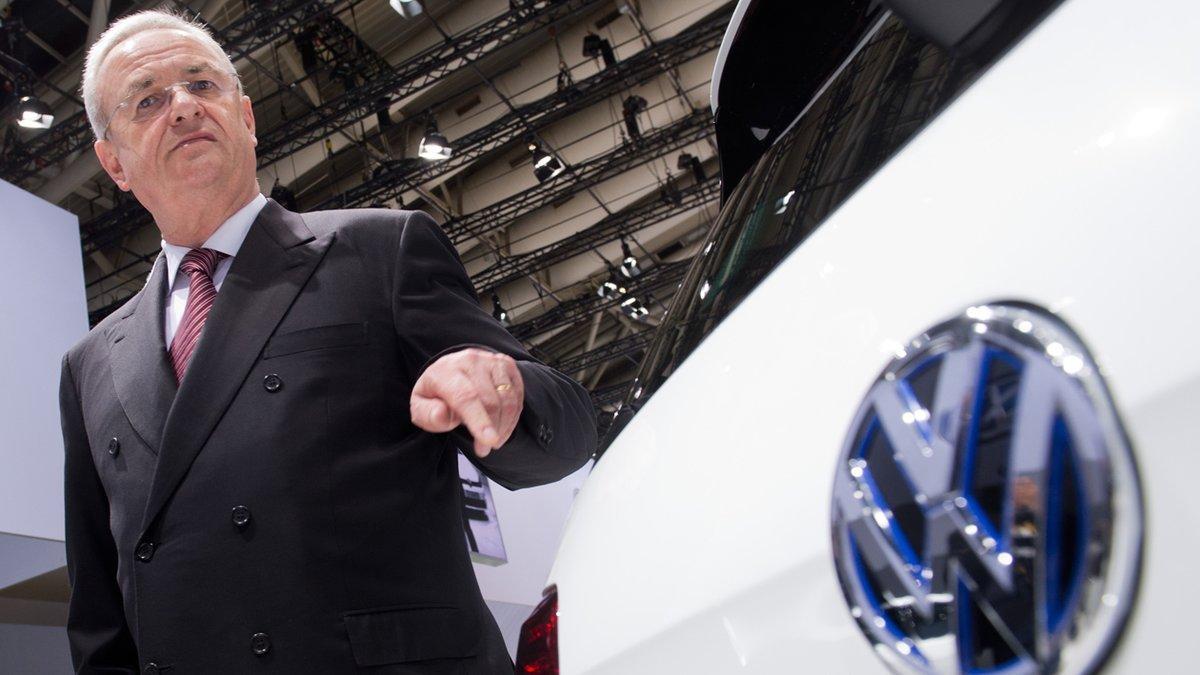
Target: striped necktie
(199,264)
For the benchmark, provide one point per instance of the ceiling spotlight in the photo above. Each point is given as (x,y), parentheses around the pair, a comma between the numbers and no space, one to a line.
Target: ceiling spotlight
(629,266)
(595,46)
(305,41)
(545,165)
(434,145)
(406,8)
(670,192)
(32,113)
(498,312)
(381,113)
(692,163)
(286,198)
(634,308)
(610,289)
(631,107)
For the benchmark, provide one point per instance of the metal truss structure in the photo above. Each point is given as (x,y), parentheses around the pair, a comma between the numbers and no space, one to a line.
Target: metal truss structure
(412,76)
(622,223)
(573,311)
(695,127)
(392,179)
(624,347)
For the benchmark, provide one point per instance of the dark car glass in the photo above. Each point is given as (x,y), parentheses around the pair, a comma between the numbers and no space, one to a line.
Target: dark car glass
(884,93)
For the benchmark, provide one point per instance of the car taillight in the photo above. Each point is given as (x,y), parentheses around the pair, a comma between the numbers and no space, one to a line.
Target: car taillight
(537,649)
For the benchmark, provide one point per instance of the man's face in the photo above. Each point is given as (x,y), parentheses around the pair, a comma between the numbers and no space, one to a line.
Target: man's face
(195,144)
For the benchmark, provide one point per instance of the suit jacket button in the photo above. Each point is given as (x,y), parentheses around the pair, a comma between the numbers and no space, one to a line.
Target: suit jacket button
(144,552)
(260,643)
(150,668)
(114,447)
(272,383)
(241,517)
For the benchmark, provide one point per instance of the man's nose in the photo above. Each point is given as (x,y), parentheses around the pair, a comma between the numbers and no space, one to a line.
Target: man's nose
(183,105)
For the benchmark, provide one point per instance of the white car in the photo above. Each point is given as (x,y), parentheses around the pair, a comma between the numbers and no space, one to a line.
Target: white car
(928,398)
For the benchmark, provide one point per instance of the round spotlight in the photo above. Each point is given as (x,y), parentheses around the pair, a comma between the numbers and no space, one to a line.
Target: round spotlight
(435,146)
(545,165)
(32,113)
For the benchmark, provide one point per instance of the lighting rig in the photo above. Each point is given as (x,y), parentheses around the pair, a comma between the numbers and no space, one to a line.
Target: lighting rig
(545,165)
(434,145)
(702,37)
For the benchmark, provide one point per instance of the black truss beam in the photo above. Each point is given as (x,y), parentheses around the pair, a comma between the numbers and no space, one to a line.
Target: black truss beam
(262,24)
(619,348)
(609,395)
(344,50)
(609,228)
(420,71)
(695,127)
(698,39)
(571,312)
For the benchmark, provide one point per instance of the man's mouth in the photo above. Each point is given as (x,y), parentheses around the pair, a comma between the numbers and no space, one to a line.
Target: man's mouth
(193,139)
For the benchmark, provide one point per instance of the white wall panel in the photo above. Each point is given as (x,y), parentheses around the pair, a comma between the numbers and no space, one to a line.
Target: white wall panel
(42,313)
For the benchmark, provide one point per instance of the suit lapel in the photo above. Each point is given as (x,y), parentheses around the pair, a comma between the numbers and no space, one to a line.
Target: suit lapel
(141,371)
(272,265)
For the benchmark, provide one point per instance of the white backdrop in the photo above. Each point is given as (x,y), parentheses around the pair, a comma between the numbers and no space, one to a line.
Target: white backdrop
(43,311)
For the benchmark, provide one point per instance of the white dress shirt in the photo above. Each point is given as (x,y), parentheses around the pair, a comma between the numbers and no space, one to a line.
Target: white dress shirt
(227,239)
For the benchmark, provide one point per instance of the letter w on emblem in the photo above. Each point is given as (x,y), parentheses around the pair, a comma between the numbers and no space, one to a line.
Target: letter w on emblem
(929,460)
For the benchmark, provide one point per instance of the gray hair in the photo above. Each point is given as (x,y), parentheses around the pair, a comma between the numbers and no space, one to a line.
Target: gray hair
(125,28)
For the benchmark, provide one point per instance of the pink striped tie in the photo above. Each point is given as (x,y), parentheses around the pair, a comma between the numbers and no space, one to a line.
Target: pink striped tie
(199,264)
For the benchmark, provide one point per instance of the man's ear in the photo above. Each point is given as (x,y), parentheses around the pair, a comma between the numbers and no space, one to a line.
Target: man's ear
(248,117)
(111,163)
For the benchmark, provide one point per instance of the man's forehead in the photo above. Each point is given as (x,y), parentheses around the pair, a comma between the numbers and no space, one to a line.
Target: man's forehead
(156,50)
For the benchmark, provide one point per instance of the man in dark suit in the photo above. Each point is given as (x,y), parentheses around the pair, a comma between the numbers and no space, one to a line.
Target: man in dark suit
(261,444)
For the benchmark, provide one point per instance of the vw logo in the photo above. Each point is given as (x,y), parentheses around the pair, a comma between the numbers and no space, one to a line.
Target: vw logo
(986,509)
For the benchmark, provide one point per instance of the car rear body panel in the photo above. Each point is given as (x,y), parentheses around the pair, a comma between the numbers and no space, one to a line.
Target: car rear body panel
(1065,178)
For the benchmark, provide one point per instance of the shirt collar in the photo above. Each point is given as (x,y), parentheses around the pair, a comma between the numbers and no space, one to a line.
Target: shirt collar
(227,239)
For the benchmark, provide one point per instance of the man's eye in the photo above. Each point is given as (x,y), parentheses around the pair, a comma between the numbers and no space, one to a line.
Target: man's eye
(202,85)
(148,102)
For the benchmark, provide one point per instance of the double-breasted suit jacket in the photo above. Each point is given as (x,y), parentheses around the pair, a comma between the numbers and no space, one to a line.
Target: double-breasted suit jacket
(277,511)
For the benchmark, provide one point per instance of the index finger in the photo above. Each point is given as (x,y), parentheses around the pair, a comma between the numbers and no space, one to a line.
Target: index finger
(478,422)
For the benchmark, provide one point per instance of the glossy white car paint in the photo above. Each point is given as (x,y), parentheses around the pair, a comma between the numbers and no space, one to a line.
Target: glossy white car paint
(1065,177)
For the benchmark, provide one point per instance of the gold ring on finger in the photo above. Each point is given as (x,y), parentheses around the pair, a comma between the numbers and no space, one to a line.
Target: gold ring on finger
(503,387)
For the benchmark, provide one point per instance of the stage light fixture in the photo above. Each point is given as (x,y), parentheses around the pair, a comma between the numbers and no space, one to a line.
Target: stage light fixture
(610,289)
(285,197)
(633,308)
(691,162)
(306,43)
(434,145)
(545,165)
(629,265)
(595,46)
(406,8)
(631,107)
(670,192)
(382,115)
(498,311)
(33,113)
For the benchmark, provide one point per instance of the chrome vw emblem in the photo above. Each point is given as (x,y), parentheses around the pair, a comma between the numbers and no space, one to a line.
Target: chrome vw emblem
(986,510)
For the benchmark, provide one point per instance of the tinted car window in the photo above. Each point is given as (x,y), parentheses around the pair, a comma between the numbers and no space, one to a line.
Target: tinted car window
(892,85)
